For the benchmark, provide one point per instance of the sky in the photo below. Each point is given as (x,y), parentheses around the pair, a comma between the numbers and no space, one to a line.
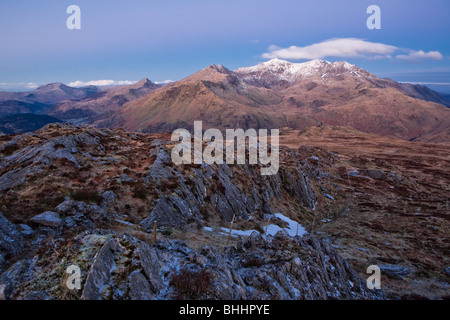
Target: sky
(124,41)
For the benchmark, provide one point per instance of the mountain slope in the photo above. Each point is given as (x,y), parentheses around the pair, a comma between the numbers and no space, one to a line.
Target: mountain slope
(41,99)
(425,93)
(56,92)
(49,94)
(279,94)
(214,95)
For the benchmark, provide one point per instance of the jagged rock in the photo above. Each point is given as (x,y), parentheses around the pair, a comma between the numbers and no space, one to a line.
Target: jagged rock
(79,213)
(166,213)
(34,158)
(151,265)
(5,292)
(108,197)
(232,200)
(375,174)
(11,239)
(228,198)
(26,230)
(100,272)
(22,271)
(139,287)
(49,219)
(261,267)
(298,185)
(447,271)
(394,271)
(161,153)
(65,206)
(329,196)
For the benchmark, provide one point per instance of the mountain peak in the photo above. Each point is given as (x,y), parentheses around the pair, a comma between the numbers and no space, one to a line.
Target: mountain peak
(52,86)
(286,70)
(292,72)
(145,82)
(218,67)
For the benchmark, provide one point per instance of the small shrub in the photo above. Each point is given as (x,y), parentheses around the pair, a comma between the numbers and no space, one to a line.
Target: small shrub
(86,195)
(9,150)
(168,232)
(252,261)
(221,188)
(189,166)
(205,213)
(139,191)
(189,284)
(59,146)
(170,184)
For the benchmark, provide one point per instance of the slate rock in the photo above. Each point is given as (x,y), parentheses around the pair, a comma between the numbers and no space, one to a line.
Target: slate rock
(394,271)
(139,287)
(49,219)
(100,271)
(11,239)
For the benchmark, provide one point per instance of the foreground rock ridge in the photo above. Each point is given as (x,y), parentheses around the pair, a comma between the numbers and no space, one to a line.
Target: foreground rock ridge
(80,231)
(259,267)
(85,197)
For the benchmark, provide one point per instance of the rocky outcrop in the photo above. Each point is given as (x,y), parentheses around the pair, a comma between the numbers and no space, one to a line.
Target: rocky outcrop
(219,188)
(12,241)
(100,272)
(260,267)
(81,214)
(34,158)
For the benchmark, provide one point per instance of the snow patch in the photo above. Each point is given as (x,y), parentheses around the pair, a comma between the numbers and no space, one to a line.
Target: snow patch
(272,229)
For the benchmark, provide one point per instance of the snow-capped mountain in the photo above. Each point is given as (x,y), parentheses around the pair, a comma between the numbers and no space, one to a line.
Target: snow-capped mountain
(277,70)
(277,94)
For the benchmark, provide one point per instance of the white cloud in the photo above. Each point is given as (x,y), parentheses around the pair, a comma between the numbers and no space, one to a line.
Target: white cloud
(339,48)
(417,56)
(164,82)
(350,48)
(19,86)
(100,83)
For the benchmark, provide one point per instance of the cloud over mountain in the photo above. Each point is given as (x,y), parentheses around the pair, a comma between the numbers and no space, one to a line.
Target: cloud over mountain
(100,83)
(349,48)
(417,56)
(337,47)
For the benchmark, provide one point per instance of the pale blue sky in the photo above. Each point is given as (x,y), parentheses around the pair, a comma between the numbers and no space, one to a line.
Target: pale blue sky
(170,39)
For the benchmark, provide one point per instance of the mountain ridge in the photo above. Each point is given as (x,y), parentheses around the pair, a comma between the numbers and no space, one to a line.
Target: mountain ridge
(279,93)
(101,102)
(272,94)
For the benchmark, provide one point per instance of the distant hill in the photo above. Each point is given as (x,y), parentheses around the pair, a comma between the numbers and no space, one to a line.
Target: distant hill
(425,93)
(49,94)
(26,122)
(9,107)
(99,103)
(40,100)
